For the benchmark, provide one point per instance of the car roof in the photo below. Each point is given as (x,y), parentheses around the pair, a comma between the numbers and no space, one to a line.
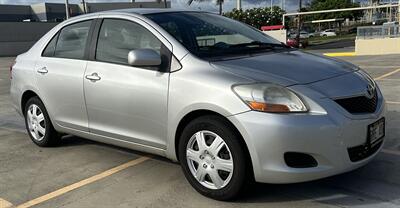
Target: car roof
(143,11)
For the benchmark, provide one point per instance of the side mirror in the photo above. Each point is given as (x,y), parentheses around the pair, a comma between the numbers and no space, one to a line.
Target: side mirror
(144,57)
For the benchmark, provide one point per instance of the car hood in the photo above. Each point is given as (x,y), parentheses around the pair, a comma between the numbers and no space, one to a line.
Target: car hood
(286,68)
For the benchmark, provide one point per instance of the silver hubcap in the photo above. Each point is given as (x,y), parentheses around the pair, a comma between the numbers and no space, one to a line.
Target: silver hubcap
(210,160)
(36,122)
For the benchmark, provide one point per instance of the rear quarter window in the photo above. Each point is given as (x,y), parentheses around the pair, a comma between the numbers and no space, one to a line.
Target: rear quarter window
(72,40)
(51,47)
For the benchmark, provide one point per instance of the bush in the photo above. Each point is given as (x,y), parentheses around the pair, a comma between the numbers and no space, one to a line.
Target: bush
(258,17)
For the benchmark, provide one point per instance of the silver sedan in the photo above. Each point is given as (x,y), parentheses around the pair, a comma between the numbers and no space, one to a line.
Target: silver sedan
(229,103)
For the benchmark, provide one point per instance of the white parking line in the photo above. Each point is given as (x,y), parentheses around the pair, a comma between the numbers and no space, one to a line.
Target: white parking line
(392,152)
(372,66)
(5,204)
(387,74)
(393,102)
(81,183)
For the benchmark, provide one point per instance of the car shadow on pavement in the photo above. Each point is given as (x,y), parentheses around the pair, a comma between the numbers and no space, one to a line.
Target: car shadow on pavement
(376,183)
(348,189)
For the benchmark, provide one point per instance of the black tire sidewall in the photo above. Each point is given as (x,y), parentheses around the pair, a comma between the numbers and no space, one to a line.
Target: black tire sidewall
(51,137)
(224,130)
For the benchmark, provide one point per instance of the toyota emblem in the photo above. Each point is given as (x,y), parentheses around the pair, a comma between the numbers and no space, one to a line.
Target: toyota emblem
(370,91)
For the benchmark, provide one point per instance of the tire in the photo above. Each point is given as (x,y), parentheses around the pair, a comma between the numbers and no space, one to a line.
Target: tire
(231,152)
(38,125)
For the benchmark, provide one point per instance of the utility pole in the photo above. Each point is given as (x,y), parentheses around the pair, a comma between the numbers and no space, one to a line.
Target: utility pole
(299,24)
(220,6)
(390,11)
(271,6)
(66,9)
(238,4)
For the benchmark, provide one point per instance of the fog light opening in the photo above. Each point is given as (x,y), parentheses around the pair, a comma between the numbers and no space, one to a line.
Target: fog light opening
(300,160)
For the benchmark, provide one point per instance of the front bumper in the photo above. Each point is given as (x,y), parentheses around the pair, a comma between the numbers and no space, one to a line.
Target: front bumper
(325,136)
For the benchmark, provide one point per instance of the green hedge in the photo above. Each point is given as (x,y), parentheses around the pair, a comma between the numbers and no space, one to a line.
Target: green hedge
(258,17)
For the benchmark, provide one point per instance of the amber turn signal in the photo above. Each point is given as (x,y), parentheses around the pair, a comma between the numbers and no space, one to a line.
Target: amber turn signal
(266,107)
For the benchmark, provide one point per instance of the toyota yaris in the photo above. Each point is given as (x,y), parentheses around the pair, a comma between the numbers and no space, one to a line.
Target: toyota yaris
(228,102)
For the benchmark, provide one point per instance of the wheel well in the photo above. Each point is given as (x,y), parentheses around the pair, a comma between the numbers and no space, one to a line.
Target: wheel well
(198,113)
(25,97)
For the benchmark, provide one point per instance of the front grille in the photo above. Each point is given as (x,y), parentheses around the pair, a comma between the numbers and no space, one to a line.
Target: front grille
(360,104)
(363,151)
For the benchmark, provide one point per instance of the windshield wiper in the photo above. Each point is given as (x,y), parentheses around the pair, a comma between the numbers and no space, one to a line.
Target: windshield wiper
(261,45)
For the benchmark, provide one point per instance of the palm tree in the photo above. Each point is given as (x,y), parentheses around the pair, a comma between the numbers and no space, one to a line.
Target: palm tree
(219,3)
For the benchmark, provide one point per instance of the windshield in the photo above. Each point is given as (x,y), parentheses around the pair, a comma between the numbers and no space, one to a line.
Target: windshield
(209,35)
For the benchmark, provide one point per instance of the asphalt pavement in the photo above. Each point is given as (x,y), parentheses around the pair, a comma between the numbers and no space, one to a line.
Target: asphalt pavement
(83,173)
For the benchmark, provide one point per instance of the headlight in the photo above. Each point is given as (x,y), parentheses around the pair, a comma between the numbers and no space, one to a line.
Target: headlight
(270,98)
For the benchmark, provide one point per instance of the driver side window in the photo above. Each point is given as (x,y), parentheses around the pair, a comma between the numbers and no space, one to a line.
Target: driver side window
(118,37)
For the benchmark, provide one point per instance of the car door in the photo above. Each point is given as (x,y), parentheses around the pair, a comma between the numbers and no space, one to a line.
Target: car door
(59,75)
(127,102)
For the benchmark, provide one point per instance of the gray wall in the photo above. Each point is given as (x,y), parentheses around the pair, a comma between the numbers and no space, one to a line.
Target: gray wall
(18,37)
(15,13)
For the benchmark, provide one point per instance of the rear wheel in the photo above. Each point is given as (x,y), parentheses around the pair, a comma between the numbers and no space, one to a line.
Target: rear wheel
(212,158)
(38,124)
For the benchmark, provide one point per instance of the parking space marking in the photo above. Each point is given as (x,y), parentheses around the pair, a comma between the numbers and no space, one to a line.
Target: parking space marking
(375,66)
(392,152)
(389,79)
(393,102)
(5,204)
(387,74)
(340,54)
(83,182)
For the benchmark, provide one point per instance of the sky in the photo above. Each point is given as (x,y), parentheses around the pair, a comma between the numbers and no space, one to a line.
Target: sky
(206,5)
(291,5)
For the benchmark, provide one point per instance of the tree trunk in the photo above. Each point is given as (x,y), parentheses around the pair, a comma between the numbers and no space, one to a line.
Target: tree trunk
(220,7)
(165,4)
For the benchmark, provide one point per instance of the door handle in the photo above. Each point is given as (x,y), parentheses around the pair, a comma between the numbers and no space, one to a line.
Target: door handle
(93,77)
(42,70)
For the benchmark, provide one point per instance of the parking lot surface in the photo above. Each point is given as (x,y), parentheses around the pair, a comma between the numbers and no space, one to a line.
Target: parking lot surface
(83,173)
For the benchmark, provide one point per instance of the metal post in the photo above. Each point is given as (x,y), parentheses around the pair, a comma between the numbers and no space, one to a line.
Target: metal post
(390,11)
(66,9)
(271,6)
(238,4)
(298,24)
(84,6)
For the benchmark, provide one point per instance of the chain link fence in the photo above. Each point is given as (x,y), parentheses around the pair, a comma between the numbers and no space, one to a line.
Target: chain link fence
(381,31)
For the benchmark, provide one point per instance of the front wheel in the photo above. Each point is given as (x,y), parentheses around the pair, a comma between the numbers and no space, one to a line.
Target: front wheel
(212,158)
(38,124)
